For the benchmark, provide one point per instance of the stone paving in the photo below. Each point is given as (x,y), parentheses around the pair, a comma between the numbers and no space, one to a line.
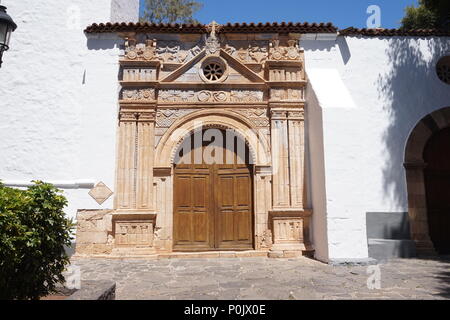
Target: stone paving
(263,278)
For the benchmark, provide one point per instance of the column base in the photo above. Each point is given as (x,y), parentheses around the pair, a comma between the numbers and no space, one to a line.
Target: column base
(291,250)
(425,248)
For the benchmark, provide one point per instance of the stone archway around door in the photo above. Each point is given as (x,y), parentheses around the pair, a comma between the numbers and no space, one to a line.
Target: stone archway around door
(415,166)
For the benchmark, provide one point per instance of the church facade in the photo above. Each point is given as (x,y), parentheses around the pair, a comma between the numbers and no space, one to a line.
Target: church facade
(277,139)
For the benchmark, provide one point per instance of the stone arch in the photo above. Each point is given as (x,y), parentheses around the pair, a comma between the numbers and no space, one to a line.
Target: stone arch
(415,179)
(170,142)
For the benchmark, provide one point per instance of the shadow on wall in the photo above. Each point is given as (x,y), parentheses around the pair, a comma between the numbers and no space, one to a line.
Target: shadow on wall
(98,43)
(409,91)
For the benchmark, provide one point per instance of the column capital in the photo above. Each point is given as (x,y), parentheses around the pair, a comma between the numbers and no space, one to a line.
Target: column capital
(137,116)
(128,116)
(147,116)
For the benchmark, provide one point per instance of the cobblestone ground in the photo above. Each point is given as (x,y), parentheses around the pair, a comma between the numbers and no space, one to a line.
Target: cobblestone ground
(262,278)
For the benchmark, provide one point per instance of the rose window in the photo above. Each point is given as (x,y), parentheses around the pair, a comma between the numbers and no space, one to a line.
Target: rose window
(213,71)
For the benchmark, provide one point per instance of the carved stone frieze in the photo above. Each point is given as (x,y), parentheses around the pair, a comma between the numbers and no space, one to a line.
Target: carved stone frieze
(279,53)
(176,52)
(296,115)
(246,96)
(141,116)
(133,233)
(280,114)
(139,74)
(146,52)
(192,96)
(258,116)
(253,52)
(125,116)
(166,117)
(286,94)
(138,94)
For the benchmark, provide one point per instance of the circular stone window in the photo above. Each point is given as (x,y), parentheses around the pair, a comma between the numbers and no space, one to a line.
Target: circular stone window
(443,69)
(213,70)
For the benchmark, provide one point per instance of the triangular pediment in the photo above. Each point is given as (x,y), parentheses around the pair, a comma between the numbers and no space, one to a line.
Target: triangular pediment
(234,71)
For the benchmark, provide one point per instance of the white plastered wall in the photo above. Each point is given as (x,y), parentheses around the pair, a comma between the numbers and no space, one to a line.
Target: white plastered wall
(364,98)
(58,97)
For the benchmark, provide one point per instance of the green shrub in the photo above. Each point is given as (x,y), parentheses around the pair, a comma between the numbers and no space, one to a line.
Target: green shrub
(33,233)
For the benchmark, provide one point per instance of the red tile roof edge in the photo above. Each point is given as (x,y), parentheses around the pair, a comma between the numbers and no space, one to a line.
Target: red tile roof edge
(394,32)
(283,27)
(274,27)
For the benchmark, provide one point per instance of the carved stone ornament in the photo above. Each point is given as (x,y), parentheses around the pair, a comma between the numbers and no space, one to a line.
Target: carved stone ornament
(266,239)
(138,94)
(176,52)
(212,42)
(134,233)
(255,52)
(191,96)
(134,52)
(100,193)
(286,94)
(258,116)
(166,117)
(292,52)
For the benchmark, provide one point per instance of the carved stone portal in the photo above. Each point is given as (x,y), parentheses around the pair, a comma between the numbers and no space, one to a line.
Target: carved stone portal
(172,83)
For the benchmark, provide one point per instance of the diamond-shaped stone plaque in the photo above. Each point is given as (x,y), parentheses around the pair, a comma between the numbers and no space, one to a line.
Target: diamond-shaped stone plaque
(100,193)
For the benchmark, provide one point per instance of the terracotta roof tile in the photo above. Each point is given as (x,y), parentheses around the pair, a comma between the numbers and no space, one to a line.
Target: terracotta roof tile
(268,27)
(393,32)
(283,27)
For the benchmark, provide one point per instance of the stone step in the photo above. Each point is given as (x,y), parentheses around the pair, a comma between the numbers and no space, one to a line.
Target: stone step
(385,249)
(388,225)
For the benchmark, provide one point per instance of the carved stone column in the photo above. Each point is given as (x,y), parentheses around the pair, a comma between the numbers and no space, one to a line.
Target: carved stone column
(296,126)
(163,204)
(126,160)
(289,219)
(280,159)
(263,204)
(145,160)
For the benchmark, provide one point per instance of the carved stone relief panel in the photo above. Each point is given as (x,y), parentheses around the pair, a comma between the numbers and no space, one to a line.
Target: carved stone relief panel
(287,94)
(288,230)
(138,74)
(248,52)
(133,233)
(286,74)
(290,52)
(143,51)
(166,117)
(193,96)
(258,116)
(138,94)
(177,52)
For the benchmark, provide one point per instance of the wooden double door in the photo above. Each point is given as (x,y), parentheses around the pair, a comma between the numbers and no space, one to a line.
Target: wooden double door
(437,185)
(213,202)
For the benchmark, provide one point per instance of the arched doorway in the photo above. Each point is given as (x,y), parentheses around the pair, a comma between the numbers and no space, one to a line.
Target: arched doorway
(426,153)
(213,192)
(437,186)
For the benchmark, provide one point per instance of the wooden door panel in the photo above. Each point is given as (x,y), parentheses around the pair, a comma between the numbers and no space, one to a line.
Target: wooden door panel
(437,184)
(243,198)
(212,203)
(234,214)
(191,210)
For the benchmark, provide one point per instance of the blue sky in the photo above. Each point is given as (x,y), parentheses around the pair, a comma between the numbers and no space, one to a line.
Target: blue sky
(343,13)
